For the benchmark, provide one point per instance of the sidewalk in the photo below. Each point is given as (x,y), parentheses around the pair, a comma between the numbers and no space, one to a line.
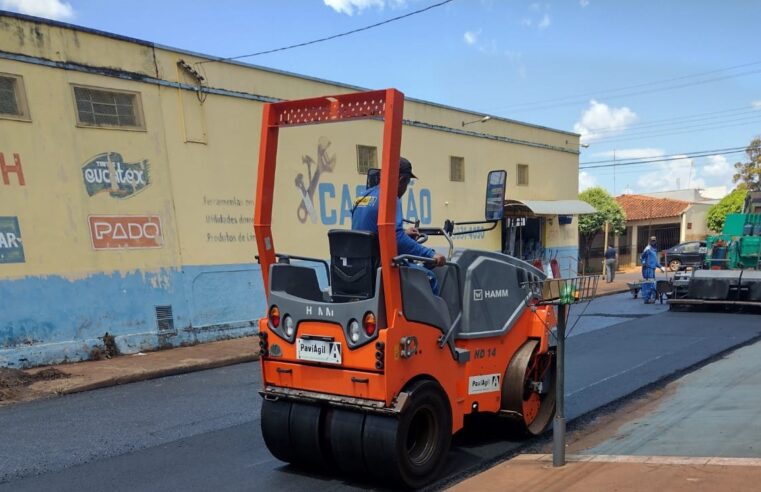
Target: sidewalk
(619,284)
(85,376)
(620,473)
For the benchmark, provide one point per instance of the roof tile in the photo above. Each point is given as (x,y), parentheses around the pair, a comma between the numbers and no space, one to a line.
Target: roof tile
(640,207)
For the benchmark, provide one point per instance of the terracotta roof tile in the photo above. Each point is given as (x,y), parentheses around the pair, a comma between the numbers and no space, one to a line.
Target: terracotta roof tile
(640,207)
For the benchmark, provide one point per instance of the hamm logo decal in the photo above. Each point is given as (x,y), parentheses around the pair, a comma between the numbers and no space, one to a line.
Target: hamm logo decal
(481,294)
(107,172)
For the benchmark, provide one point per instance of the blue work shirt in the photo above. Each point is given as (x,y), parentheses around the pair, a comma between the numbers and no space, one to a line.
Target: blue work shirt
(365,218)
(649,258)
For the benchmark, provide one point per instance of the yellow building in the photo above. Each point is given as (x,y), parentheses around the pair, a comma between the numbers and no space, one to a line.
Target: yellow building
(127,172)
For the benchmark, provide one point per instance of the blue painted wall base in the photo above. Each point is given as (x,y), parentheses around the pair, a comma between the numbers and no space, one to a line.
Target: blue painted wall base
(52,319)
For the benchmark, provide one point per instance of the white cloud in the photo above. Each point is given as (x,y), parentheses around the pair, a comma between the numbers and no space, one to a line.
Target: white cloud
(348,7)
(50,9)
(717,166)
(539,16)
(671,175)
(599,117)
(471,37)
(756,104)
(718,171)
(584,3)
(586,180)
(545,22)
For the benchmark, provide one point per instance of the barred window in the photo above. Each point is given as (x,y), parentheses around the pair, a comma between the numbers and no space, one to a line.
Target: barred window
(12,97)
(108,108)
(521,175)
(456,168)
(367,158)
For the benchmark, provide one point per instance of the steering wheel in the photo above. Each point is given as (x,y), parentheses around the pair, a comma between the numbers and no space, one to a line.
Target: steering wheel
(421,238)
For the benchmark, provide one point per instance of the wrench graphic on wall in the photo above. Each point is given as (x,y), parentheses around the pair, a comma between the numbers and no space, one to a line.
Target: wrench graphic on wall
(325,163)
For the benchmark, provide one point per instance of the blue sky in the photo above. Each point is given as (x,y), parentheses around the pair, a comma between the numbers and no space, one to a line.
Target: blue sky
(641,78)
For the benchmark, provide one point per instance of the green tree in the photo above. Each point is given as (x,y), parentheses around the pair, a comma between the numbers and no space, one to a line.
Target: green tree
(608,210)
(730,204)
(749,173)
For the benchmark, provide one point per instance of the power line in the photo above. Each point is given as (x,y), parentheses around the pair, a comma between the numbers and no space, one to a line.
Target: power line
(653,161)
(680,154)
(334,36)
(682,130)
(573,99)
(687,118)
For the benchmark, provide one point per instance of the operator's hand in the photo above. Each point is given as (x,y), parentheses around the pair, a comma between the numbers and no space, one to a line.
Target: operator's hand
(439,259)
(663,269)
(413,232)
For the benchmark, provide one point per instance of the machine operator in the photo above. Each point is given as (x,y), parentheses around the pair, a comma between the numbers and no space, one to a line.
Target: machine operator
(365,218)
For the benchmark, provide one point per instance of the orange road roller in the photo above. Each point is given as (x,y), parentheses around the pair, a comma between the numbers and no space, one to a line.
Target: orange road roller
(372,375)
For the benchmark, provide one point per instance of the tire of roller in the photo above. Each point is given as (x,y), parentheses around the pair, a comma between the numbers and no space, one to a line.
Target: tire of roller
(275,420)
(385,438)
(512,393)
(346,430)
(306,430)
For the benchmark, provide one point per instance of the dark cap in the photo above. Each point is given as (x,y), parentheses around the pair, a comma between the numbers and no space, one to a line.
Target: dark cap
(405,168)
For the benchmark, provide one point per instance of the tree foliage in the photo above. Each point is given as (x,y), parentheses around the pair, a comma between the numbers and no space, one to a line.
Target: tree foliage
(730,204)
(749,173)
(608,210)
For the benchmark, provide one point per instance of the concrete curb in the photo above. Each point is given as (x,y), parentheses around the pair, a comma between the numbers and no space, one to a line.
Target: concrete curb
(160,373)
(613,292)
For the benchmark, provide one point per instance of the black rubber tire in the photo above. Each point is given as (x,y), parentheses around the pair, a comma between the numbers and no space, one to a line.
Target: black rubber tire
(345,435)
(275,420)
(513,388)
(293,433)
(410,451)
(306,437)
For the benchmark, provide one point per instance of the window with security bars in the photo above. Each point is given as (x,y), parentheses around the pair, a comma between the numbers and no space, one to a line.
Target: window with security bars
(367,158)
(108,108)
(12,97)
(456,168)
(521,175)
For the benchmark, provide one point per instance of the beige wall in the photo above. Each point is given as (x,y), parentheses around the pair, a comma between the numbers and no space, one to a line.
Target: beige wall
(202,158)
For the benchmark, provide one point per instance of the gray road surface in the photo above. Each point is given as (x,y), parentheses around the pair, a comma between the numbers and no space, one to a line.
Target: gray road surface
(714,411)
(201,431)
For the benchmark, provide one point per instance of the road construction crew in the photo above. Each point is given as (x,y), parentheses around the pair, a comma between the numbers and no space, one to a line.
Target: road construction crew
(364,217)
(649,260)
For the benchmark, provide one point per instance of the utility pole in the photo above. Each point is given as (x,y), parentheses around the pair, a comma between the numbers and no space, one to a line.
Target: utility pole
(605,249)
(614,172)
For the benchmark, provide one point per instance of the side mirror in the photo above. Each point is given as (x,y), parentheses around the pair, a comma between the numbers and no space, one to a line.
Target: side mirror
(495,195)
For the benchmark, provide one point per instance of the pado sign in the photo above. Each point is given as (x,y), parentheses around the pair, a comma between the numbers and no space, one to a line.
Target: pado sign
(126,232)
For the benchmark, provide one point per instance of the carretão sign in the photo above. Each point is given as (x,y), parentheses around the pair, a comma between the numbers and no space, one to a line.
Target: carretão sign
(107,172)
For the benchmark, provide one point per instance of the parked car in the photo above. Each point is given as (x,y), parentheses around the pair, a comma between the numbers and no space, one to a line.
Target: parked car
(683,255)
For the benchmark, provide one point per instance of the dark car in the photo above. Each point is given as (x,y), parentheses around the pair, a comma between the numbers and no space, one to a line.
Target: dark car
(683,255)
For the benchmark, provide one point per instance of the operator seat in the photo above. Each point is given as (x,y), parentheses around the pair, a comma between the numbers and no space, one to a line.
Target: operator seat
(354,261)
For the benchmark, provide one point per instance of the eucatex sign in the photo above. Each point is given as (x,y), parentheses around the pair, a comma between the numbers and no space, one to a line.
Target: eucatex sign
(11,247)
(107,172)
(481,294)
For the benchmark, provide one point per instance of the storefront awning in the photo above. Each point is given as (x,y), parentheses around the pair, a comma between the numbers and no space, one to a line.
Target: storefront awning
(547,207)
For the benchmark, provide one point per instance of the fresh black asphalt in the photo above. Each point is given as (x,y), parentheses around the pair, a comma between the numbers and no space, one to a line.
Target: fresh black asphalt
(200,431)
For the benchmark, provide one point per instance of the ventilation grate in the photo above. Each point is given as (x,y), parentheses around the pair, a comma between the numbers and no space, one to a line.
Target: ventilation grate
(164,318)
